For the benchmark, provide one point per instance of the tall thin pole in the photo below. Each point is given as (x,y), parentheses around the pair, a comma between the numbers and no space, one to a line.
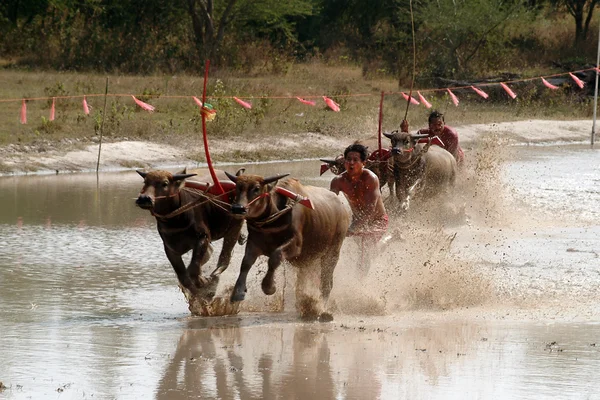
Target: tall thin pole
(380,121)
(102,127)
(596,88)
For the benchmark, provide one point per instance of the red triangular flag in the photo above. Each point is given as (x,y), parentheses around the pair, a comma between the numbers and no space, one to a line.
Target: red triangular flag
(480,92)
(53,109)
(331,104)
(243,103)
(307,102)
(86,109)
(144,106)
(24,112)
(549,85)
(578,81)
(453,97)
(424,100)
(412,99)
(507,89)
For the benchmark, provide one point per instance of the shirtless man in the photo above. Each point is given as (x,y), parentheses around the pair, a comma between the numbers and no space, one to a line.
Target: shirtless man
(361,188)
(448,135)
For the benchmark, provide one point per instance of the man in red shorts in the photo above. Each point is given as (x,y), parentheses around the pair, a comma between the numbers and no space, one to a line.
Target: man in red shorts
(361,188)
(448,135)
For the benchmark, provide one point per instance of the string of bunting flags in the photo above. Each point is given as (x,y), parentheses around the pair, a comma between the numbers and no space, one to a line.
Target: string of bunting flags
(210,112)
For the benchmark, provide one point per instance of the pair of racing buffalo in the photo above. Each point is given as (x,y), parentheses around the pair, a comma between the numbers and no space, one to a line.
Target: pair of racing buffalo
(286,220)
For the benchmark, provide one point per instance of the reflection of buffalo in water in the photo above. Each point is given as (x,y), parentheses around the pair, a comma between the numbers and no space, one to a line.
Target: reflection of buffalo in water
(282,228)
(189,220)
(223,360)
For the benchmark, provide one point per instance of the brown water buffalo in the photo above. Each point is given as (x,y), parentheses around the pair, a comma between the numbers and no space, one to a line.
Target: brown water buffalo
(187,220)
(419,170)
(282,227)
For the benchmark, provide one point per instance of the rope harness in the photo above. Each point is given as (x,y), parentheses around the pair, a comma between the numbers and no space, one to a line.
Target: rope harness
(203,198)
(273,217)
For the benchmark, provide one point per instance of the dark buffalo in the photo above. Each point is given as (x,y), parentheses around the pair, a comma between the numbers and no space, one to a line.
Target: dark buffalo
(377,162)
(190,219)
(308,231)
(419,170)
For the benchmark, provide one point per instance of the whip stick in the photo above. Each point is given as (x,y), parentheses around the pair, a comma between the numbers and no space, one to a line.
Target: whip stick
(380,120)
(204,135)
(412,82)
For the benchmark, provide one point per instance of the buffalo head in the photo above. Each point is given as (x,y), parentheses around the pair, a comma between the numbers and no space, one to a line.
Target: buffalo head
(250,189)
(159,185)
(403,143)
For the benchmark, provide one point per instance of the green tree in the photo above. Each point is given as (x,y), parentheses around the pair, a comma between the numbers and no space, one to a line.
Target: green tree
(211,20)
(582,12)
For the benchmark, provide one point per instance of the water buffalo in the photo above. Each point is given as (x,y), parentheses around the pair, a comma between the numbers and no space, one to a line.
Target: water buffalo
(282,226)
(420,170)
(187,220)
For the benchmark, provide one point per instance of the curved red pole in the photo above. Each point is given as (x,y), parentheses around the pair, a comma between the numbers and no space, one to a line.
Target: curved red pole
(208,160)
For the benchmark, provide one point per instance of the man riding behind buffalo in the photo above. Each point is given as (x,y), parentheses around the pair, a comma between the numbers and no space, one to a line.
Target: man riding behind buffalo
(447,135)
(361,188)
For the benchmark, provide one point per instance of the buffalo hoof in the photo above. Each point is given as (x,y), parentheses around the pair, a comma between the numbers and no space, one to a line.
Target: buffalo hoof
(268,288)
(325,317)
(238,296)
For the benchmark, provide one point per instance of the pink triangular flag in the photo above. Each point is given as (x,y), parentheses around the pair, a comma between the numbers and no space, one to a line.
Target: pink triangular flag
(307,102)
(53,109)
(453,97)
(24,112)
(412,99)
(480,92)
(331,104)
(197,100)
(243,103)
(144,106)
(597,69)
(549,85)
(507,89)
(86,108)
(424,100)
(578,81)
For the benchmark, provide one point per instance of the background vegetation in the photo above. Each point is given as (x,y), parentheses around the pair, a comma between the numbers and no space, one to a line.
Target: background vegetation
(156,50)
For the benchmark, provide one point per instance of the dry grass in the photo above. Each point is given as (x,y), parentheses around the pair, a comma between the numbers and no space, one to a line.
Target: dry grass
(177,118)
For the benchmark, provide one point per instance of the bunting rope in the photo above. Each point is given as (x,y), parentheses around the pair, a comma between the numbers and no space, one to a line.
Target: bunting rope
(209,112)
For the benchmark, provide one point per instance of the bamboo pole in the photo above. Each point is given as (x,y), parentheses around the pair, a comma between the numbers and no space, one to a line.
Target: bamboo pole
(102,127)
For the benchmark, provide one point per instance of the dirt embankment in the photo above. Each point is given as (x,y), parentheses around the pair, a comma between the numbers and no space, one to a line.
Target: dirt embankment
(74,156)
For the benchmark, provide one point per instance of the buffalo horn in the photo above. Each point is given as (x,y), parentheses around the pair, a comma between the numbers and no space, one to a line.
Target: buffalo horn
(388,135)
(419,136)
(180,177)
(232,178)
(274,178)
(142,173)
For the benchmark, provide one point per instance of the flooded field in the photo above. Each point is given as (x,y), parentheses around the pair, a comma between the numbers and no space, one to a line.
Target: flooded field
(503,303)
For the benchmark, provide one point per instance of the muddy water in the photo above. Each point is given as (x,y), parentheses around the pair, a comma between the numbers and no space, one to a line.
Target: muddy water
(500,304)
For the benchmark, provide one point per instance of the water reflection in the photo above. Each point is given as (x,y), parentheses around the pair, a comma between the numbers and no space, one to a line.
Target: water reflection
(89,305)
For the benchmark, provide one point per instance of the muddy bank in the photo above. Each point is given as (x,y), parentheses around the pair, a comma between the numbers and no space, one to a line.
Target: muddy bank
(82,155)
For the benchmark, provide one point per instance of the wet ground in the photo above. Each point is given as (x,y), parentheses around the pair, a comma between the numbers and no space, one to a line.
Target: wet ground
(501,304)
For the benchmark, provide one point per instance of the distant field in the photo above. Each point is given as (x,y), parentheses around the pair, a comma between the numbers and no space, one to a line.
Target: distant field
(275,110)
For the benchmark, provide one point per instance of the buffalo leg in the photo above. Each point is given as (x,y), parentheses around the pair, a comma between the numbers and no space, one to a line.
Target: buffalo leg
(200,256)
(229,242)
(289,249)
(239,290)
(181,271)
